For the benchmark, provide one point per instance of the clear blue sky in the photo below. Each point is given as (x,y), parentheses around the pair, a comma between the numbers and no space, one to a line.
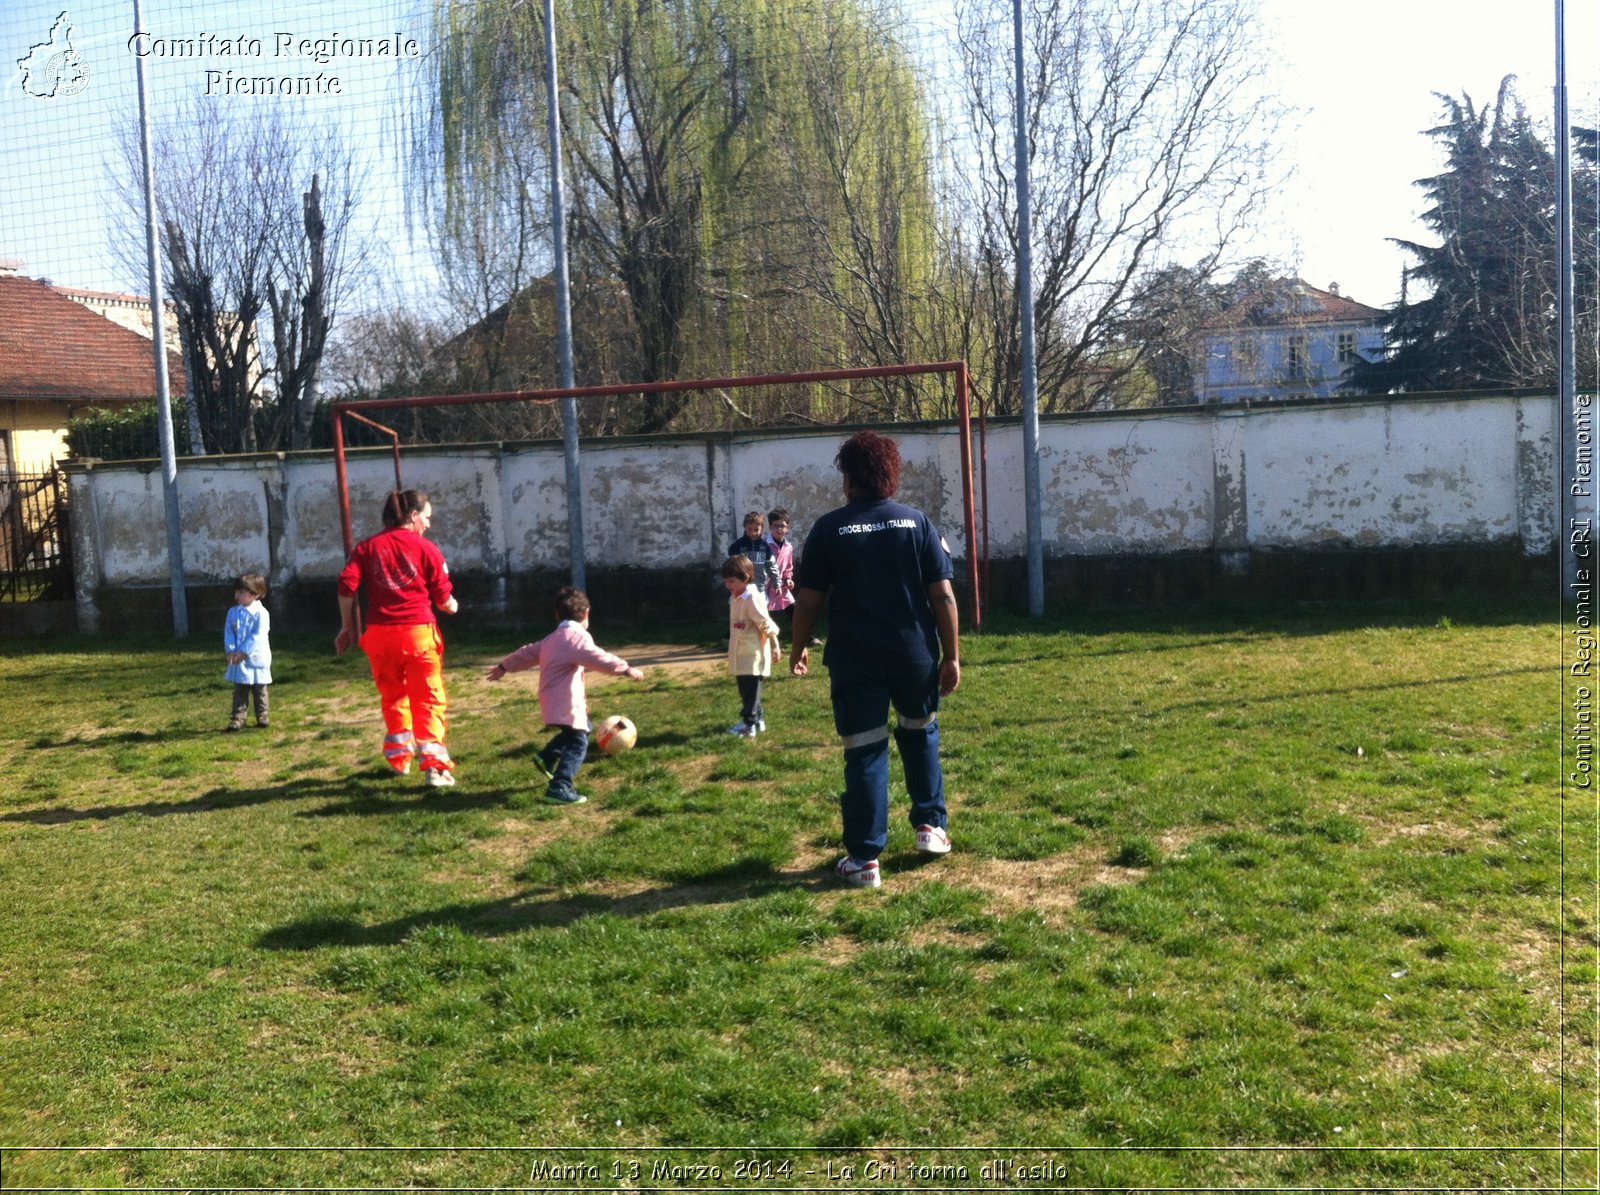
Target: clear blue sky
(1361,74)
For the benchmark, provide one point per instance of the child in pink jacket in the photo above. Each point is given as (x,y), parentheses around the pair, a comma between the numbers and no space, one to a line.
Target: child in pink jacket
(561,656)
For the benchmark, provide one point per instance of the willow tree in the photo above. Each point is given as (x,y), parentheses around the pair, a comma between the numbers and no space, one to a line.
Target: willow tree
(678,121)
(858,153)
(484,198)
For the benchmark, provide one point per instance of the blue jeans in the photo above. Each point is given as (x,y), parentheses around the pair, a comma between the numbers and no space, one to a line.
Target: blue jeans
(562,757)
(750,711)
(862,698)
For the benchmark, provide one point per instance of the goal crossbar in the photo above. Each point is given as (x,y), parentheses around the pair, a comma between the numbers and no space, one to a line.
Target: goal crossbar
(353,409)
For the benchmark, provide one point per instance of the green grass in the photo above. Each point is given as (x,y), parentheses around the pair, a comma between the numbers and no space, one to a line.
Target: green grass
(1265,901)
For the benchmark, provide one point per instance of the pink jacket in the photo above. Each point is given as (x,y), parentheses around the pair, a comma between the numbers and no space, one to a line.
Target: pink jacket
(778,596)
(561,656)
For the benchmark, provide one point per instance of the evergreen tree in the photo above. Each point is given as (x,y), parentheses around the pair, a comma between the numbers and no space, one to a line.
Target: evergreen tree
(1487,319)
(1586,254)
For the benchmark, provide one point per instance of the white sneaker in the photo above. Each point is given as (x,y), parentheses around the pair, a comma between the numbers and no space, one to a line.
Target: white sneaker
(859,873)
(761,726)
(438,777)
(932,840)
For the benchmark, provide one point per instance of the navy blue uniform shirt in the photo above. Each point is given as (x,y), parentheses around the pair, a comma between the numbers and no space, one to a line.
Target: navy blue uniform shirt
(875,559)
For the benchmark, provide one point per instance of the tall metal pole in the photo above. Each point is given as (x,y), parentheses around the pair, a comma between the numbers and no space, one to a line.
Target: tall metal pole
(558,229)
(1030,379)
(1566,351)
(169,455)
(1576,493)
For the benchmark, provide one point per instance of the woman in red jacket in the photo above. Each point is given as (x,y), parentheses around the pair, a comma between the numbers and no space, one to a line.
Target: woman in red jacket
(404,577)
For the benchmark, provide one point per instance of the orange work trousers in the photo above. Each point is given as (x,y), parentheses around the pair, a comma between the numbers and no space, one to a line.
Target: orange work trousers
(408,664)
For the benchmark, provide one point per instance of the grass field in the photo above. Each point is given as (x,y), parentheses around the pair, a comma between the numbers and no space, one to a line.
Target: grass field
(1263,901)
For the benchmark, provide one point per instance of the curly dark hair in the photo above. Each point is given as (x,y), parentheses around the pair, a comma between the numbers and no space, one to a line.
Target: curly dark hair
(571,602)
(870,462)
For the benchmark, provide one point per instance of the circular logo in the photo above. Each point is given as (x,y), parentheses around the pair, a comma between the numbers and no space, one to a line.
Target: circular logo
(66,73)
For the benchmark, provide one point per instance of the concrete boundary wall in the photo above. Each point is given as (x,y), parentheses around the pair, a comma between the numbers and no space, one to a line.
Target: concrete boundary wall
(1227,482)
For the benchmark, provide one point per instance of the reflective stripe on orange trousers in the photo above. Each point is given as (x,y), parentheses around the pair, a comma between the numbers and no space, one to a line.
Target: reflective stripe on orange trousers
(408,665)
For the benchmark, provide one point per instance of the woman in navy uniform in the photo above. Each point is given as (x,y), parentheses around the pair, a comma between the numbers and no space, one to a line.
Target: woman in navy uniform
(883,572)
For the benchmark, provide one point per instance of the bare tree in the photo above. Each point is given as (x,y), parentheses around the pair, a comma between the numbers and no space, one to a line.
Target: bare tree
(1148,141)
(257,221)
(384,352)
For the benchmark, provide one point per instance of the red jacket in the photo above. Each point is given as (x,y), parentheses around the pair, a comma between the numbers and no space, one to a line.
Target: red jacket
(404,576)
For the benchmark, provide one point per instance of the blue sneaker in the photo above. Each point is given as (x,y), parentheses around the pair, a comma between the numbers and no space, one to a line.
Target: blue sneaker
(571,797)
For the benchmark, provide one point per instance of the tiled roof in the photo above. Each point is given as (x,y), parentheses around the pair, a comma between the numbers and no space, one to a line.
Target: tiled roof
(1294,302)
(54,348)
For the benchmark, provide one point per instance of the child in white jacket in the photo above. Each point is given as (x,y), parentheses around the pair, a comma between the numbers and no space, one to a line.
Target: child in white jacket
(752,642)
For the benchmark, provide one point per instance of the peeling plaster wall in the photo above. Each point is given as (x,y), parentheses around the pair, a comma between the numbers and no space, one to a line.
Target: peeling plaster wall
(1383,473)
(222,512)
(648,504)
(1117,486)
(1390,475)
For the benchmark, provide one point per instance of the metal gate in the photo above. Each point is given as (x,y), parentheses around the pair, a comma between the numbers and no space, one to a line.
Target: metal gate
(35,547)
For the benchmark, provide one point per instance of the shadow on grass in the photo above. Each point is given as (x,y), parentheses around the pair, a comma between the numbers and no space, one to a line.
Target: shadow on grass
(353,796)
(390,795)
(546,908)
(166,734)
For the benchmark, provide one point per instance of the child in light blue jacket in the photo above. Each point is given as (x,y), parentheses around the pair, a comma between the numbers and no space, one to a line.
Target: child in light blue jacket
(244,638)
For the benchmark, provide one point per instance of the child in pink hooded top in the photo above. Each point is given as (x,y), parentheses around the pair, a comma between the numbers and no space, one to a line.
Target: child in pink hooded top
(561,657)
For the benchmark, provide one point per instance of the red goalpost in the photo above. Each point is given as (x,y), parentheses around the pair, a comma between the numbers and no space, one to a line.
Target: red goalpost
(976,575)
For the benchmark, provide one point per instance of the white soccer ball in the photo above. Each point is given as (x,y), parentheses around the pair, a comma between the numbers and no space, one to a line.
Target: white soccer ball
(615,735)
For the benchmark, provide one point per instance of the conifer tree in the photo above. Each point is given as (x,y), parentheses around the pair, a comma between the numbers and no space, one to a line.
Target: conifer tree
(1487,316)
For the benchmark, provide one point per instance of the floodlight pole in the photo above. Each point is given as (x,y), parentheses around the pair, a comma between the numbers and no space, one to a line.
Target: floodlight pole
(563,298)
(1030,375)
(158,329)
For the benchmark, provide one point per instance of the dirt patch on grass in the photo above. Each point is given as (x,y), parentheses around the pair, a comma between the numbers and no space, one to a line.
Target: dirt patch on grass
(1049,887)
(675,659)
(504,854)
(345,709)
(678,660)
(841,950)
(694,770)
(1445,834)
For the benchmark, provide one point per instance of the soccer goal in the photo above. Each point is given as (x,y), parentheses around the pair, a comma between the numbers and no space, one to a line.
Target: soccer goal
(976,562)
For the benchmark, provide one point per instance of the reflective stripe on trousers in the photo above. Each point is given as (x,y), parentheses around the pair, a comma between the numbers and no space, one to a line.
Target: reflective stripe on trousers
(408,666)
